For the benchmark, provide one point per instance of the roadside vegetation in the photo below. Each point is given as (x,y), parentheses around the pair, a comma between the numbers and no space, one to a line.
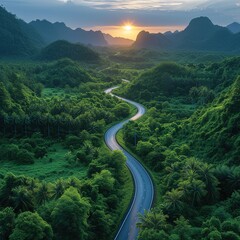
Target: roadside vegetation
(57,179)
(190,138)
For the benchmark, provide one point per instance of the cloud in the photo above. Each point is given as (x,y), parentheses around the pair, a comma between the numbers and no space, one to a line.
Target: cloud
(88,13)
(136,4)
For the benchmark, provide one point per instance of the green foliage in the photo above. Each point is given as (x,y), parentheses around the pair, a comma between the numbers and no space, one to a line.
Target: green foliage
(40,152)
(122,110)
(167,79)
(198,82)
(63,49)
(31,226)
(7,221)
(24,157)
(69,217)
(195,154)
(62,73)
(217,125)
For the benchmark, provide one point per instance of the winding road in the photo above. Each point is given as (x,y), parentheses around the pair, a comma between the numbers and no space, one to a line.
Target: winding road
(144,191)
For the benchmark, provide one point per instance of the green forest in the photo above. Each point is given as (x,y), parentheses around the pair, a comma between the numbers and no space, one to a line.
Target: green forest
(57,178)
(59,181)
(189,140)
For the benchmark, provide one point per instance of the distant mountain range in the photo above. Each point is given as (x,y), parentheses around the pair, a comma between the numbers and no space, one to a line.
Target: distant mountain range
(117,41)
(52,32)
(18,38)
(234,27)
(200,34)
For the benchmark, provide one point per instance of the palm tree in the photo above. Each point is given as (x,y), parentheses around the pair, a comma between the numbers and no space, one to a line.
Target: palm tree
(43,193)
(191,165)
(197,191)
(205,173)
(190,174)
(234,179)
(173,202)
(58,189)
(173,174)
(193,191)
(32,185)
(22,199)
(224,174)
(154,219)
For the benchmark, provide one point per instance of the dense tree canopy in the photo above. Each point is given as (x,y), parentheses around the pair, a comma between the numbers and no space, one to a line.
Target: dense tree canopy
(191,139)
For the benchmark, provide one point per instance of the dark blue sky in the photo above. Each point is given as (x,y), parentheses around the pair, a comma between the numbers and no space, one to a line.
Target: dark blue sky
(88,13)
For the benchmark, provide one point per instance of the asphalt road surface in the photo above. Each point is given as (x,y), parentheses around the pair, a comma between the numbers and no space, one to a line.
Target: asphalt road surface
(144,191)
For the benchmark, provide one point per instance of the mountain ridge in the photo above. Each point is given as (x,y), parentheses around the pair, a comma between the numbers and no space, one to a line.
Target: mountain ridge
(52,32)
(145,39)
(117,41)
(16,36)
(201,34)
(234,27)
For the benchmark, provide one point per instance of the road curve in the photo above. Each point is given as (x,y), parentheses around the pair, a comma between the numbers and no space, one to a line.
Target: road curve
(144,191)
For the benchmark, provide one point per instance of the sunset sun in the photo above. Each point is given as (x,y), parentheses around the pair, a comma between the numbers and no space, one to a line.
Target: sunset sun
(128,27)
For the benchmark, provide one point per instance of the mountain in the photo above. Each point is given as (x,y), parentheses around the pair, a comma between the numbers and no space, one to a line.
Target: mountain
(234,27)
(150,40)
(117,41)
(17,37)
(63,49)
(200,34)
(196,33)
(52,32)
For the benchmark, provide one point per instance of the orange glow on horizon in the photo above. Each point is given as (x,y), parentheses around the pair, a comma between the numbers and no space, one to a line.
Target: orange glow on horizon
(128,27)
(130,31)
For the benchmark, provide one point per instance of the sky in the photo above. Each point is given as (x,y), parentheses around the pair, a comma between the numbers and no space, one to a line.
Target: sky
(110,16)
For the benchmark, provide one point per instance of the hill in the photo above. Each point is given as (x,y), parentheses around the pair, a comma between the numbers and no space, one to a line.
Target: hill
(234,27)
(17,37)
(192,84)
(200,34)
(62,73)
(52,32)
(146,40)
(194,148)
(117,41)
(63,49)
(218,127)
(167,79)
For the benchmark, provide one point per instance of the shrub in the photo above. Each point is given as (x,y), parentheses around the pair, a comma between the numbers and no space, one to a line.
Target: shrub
(24,157)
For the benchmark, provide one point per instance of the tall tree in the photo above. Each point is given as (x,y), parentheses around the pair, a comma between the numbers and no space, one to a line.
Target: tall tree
(7,221)
(69,217)
(31,226)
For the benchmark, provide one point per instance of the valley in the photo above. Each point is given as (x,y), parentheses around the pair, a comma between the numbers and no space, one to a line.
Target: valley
(155,156)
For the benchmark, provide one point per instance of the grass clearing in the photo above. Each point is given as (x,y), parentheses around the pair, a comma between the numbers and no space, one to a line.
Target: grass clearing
(50,92)
(49,168)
